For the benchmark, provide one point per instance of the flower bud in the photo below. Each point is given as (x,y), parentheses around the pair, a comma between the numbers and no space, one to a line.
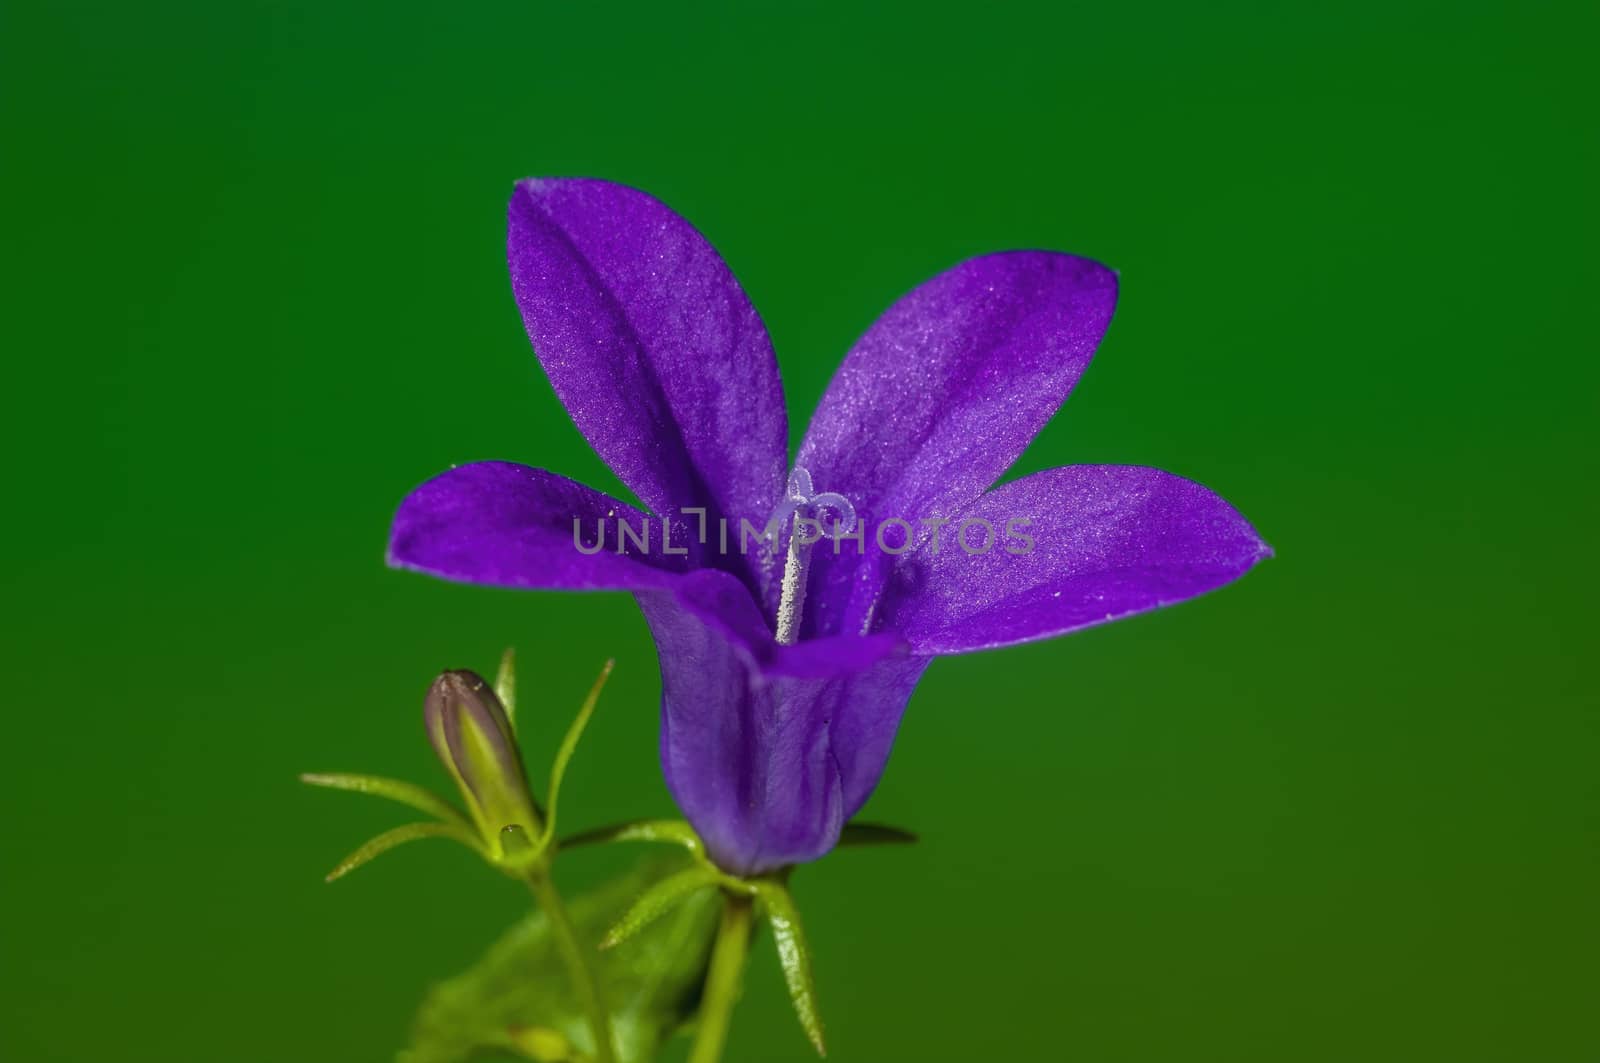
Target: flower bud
(472,735)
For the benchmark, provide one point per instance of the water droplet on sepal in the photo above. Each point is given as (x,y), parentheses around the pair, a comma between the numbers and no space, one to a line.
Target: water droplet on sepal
(518,849)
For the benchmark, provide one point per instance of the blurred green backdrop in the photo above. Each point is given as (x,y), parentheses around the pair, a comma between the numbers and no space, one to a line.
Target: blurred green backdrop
(254,291)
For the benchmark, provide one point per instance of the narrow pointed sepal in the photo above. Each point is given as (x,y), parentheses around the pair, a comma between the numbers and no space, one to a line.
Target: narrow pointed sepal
(660,899)
(569,745)
(395,790)
(875,834)
(399,836)
(505,685)
(794,955)
(667,831)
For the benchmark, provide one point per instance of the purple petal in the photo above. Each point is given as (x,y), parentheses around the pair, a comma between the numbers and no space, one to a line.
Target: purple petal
(832,655)
(943,393)
(508,525)
(652,346)
(1108,541)
(866,718)
(768,766)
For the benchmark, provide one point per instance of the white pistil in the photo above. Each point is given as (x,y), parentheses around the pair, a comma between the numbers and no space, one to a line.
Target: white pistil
(792,603)
(804,508)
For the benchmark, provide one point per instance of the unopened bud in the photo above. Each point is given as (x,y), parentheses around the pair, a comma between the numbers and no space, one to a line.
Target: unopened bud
(471,733)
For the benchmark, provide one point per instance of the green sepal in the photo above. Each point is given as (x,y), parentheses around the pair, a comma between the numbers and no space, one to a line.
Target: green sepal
(518,997)
(794,955)
(874,834)
(505,685)
(668,831)
(658,901)
(395,790)
(399,836)
(569,745)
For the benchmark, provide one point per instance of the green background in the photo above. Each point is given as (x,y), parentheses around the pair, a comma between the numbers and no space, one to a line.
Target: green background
(254,290)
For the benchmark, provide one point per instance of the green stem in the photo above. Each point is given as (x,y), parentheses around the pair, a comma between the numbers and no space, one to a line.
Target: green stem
(578,967)
(722,981)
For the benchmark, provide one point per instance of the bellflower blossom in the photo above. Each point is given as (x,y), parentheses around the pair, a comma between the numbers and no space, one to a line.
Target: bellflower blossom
(787,659)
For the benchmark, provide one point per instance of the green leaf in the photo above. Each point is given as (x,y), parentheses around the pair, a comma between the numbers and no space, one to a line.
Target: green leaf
(657,901)
(505,684)
(569,745)
(669,831)
(395,790)
(794,955)
(399,836)
(517,998)
(875,834)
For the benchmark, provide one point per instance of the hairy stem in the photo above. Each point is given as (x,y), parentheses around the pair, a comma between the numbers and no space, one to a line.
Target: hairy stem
(576,958)
(722,981)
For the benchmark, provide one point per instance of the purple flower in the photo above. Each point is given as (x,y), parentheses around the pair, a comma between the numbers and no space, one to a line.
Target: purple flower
(786,664)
